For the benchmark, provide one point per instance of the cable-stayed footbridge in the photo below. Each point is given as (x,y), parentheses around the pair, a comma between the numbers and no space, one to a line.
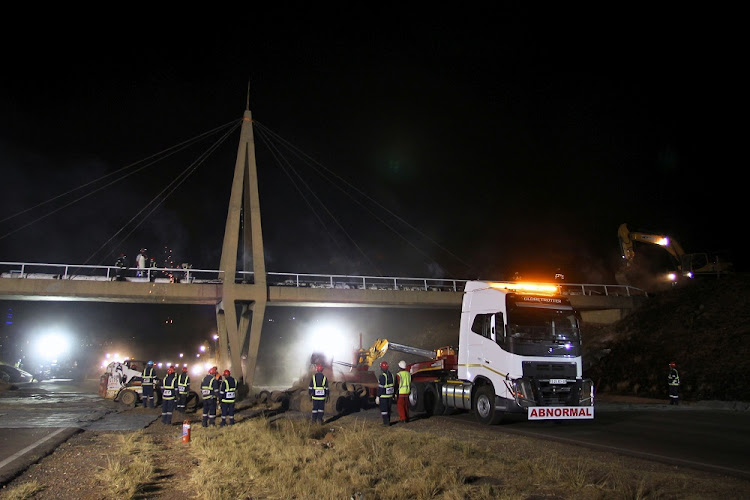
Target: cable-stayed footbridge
(241,288)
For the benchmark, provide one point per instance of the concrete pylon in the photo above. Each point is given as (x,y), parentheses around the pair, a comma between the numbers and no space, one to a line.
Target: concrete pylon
(239,315)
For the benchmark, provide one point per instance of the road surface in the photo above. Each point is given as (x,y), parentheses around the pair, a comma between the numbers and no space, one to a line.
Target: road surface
(697,436)
(37,417)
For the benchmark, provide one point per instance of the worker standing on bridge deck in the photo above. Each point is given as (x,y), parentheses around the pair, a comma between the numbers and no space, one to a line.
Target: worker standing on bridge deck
(673,380)
(228,394)
(385,393)
(168,395)
(318,391)
(210,391)
(404,389)
(147,384)
(140,263)
(121,264)
(183,388)
(152,269)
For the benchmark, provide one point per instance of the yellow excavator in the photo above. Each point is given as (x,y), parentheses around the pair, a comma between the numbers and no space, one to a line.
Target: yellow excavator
(686,265)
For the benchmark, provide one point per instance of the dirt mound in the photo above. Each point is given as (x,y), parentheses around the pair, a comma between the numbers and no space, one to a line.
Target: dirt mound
(704,327)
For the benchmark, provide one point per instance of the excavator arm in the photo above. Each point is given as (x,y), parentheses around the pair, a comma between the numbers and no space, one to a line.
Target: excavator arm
(689,265)
(628,238)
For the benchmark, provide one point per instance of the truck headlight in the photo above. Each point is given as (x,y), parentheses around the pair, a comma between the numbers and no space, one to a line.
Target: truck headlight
(587,393)
(522,392)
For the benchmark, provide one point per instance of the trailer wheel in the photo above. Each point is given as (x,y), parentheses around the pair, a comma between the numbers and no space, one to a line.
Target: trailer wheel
(484,406)
(128,397)
(416,397)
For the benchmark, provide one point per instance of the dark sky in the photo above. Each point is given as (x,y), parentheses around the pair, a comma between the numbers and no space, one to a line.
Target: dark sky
(515,139)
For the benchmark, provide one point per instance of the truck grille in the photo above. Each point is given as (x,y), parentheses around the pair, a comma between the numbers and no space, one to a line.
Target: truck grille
(554,384)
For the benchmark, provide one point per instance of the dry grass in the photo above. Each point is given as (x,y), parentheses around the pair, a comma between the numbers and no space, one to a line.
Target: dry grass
(296,460)
(127,473)
(23,491)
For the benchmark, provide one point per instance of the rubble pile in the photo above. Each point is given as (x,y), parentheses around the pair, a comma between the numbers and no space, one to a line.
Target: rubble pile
(704,327)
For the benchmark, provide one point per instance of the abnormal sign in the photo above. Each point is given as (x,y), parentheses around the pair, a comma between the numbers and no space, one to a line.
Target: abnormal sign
(560,412)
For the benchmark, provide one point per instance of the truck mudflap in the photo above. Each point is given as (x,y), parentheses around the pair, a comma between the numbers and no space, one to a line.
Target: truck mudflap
(560,412)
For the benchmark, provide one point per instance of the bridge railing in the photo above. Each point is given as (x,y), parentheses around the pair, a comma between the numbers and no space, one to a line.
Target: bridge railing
(347,282)
(27,270)
(426,284)
(33,270)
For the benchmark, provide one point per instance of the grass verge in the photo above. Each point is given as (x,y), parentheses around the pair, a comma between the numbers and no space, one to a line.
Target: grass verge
(23,491)
(297,460)
(126,473)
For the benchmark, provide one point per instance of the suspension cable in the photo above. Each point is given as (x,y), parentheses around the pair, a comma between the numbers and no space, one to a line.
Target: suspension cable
(303,156)
(171,151)
(169,189)
(290,167)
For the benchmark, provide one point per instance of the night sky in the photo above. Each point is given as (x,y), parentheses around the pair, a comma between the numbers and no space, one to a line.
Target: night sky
(512,140)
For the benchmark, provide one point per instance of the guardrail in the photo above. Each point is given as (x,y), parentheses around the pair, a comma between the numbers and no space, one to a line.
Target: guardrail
(28,270)
(33,270)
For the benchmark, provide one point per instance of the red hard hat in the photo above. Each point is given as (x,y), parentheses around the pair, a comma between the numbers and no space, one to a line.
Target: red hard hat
(319,367)
(384,365)
(672,364)
(184,369)
(213,370)
(170,369)
(227,373)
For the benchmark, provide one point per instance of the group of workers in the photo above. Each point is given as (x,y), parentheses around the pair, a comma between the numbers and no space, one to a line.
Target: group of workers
(215,389)
(141,261)
(218,391)
(390,387)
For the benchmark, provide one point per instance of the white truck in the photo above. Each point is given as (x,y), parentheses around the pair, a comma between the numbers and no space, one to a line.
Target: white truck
(519,351)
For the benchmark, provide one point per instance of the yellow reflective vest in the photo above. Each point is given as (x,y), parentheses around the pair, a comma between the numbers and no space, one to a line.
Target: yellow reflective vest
(404,382)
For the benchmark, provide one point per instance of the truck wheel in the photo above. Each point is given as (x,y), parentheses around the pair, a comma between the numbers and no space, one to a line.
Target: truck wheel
(128,397)
(433,404)
(416,397)
(484,406)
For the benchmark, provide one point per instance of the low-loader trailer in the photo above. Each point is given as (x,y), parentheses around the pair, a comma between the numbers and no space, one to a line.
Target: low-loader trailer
(519,351)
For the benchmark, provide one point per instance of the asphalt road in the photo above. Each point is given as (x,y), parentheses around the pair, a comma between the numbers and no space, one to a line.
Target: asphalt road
(696,436)
(37,417)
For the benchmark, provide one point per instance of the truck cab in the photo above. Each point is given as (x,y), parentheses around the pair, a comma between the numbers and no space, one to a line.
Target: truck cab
(519,351)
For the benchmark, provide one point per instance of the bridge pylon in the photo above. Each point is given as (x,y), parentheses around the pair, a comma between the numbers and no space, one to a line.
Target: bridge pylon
(239,314)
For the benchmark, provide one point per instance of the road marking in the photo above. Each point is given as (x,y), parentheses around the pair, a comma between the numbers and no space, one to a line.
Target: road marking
(30,447)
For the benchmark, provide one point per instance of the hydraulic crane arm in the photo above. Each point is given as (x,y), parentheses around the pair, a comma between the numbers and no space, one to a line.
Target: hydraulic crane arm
(378,349)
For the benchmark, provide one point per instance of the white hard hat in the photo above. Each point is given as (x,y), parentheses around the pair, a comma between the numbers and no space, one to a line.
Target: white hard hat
(402,364)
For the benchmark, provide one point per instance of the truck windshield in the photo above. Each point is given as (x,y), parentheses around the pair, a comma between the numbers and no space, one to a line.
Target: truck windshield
(541,324)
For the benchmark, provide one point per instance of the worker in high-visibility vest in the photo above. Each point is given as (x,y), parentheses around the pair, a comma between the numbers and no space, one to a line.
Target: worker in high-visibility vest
(318,391)
(210,392)
(673,382)
(404,389)
(385,393)
(183,389)
(228,394)
(148,377)
(168,396)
